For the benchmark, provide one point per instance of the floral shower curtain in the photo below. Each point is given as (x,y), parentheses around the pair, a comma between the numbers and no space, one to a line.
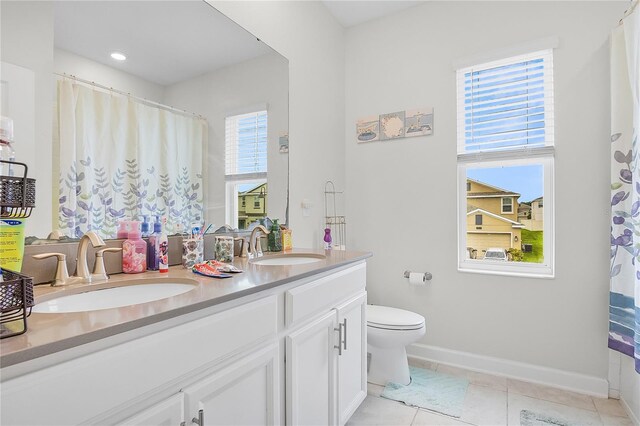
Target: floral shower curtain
(122,159)
(624,297)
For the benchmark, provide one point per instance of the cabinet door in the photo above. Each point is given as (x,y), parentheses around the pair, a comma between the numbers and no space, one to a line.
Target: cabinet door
(169,412)
(311,371)
(352,363)
(244,393)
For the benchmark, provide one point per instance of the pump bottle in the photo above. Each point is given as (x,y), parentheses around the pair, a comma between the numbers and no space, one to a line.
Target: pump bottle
(134,251)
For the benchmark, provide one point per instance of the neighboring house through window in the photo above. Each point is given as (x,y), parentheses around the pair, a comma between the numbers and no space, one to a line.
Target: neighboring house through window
(507,205)
(505,157)
(246,167)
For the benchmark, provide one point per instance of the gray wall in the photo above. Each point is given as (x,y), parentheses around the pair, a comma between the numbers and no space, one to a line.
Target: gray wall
(402,194)
(238,89)
(313,42)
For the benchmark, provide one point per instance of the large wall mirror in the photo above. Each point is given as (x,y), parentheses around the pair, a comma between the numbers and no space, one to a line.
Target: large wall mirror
(192,125)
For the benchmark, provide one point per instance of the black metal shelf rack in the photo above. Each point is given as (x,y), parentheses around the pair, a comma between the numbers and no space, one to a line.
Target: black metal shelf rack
(17,200)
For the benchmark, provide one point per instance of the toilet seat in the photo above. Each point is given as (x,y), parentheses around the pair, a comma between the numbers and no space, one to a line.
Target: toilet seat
(386,318)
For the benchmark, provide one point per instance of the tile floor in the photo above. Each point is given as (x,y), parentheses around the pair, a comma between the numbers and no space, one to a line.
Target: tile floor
(492,400)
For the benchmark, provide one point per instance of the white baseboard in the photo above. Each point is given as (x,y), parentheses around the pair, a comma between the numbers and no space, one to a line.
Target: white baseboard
(576,382)
(630,412)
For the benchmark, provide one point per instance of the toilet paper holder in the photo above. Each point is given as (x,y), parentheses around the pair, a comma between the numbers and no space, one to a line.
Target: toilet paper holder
(427,275)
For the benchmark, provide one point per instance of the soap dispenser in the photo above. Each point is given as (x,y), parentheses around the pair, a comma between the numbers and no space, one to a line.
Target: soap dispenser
(122,232)
(274,239)
(153,247)
(327,238)
(146,228)
(162,251)
(134,251)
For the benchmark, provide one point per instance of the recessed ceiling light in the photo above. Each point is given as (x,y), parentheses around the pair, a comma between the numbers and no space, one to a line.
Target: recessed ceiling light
(118,56)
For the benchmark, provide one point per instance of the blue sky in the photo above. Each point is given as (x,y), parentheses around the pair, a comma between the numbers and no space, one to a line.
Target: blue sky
(525,180)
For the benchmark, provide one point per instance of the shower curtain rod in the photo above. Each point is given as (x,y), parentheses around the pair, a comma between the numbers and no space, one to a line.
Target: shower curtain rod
(120,92)
(629,11)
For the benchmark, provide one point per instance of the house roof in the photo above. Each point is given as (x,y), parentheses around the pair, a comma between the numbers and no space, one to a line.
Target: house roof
(513,223)
(497,189)
(249,191)
(539,198)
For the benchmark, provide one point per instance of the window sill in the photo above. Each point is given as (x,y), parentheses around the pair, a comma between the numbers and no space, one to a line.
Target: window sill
(498,268)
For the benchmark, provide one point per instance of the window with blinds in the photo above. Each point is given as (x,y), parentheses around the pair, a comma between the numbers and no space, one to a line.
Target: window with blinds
(506,104)
(506,159)
(246,145)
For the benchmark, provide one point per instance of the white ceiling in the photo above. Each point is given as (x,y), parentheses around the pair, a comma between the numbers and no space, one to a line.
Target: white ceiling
(165,41)
(350,13)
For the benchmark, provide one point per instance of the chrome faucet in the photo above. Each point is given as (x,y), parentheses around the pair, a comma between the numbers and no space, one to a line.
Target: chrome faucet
(255,248)
(82,269)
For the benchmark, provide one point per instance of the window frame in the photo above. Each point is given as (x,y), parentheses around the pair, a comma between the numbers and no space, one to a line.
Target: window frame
(507,157)
(234,179)
(539,270)
(502,205)
(231,196)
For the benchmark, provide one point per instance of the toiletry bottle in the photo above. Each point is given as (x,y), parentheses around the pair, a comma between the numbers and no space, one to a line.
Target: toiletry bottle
(122,232)
(274,238)
(7,152)
(287,243)
(146,231)
(152,248)
(134,251)
(11,243)
(327,238)
(163,248)
(195,230)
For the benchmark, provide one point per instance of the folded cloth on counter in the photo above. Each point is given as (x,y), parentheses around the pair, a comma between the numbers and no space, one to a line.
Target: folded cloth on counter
(208,271)
(224,267)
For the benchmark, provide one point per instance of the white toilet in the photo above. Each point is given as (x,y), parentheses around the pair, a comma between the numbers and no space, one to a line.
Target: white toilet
(389,331)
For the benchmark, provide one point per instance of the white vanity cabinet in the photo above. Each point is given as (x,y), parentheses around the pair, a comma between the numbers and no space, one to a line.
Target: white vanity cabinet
(352,363)
(166,413)
(326,353)
(311,373)
(131,381)
(245,393)
(223,362)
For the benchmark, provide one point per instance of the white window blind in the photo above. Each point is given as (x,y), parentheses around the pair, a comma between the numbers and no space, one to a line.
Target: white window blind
(506,104)
(246,145)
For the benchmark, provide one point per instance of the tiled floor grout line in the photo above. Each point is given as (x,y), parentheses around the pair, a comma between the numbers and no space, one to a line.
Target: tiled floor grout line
(414,417)
(507,419)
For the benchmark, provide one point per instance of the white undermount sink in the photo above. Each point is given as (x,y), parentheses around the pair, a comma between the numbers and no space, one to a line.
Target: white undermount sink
(112,297)
(288,259)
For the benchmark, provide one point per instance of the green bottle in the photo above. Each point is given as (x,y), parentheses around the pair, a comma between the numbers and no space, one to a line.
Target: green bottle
(275,237)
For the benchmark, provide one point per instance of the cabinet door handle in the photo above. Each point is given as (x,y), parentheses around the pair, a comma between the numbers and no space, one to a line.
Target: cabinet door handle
(339,330)
(200,419)
(345,334)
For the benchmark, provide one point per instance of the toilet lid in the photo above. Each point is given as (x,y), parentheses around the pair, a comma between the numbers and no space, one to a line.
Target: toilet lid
(393,318)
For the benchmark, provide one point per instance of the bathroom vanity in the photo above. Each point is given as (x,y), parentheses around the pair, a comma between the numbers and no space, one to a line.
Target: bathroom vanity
(276,344)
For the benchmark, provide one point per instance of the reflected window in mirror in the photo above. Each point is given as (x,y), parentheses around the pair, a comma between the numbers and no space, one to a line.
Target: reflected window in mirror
(246,168)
